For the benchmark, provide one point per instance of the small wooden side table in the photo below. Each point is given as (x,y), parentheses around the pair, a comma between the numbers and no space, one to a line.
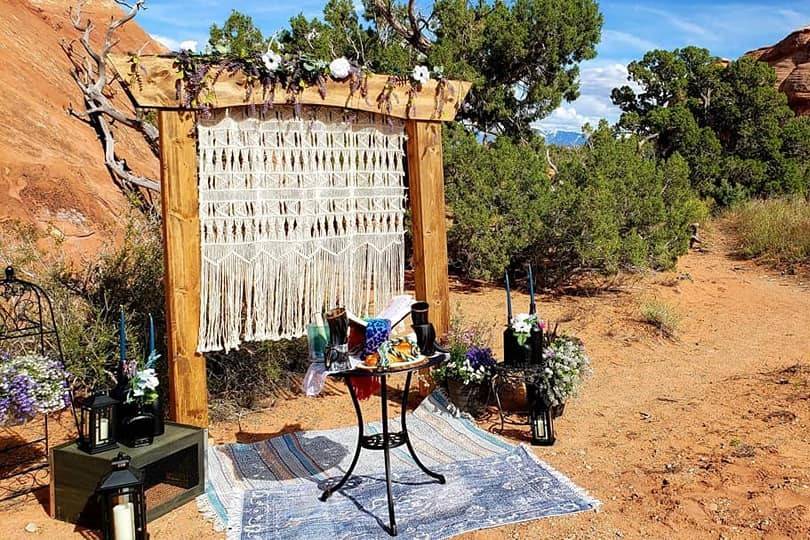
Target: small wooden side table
(174,467)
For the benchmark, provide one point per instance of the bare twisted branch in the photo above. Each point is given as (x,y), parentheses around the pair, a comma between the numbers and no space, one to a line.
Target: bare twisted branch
(90,72)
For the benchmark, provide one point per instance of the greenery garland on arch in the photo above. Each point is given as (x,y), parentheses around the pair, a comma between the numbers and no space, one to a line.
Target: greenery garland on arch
(290,72)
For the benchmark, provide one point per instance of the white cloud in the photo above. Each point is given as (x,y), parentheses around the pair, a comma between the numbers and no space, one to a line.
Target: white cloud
(597,80)
(190,44)
(175,45)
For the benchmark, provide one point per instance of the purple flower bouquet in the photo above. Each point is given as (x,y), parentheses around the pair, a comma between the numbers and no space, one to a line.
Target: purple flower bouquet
(29,385)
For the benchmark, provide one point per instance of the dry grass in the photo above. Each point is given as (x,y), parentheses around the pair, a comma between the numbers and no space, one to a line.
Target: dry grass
(662,315)
(776,230)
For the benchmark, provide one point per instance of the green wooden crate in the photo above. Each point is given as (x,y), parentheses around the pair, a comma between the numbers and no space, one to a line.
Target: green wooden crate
(174,467)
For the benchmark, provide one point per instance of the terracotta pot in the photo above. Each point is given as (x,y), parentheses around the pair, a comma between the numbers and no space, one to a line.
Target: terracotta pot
(466,397)
(513,396)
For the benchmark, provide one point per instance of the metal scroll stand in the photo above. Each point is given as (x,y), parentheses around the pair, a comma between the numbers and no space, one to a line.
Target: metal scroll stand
(27,326)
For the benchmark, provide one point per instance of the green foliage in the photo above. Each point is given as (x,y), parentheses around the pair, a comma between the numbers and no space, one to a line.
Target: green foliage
(777,230)
(531,45)
(498,194)
(238,36)
(610,206)
(727,120)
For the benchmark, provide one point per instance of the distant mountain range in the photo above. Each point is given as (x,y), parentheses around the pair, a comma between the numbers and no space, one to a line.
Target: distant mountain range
(563,138)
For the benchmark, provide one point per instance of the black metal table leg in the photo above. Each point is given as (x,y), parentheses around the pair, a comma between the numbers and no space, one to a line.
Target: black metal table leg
(328,492)
(416,459)
(496,389)
(386,450)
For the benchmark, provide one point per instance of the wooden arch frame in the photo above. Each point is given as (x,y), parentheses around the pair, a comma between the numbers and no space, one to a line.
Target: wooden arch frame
(154,88)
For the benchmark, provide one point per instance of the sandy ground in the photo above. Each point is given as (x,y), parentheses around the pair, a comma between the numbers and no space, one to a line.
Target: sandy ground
(701,436)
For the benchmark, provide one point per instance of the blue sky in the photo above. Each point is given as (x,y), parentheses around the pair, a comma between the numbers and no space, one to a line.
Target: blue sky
(727,28)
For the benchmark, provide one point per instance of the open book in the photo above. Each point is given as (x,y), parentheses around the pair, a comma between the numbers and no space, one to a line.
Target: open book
(395,311)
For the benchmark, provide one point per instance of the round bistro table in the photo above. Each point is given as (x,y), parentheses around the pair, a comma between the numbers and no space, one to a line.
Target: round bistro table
(386,440)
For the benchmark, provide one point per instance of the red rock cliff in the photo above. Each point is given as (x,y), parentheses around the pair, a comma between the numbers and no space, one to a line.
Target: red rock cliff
(52,172)
(791,60)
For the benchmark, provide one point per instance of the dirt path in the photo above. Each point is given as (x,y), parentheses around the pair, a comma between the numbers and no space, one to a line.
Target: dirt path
(704,436)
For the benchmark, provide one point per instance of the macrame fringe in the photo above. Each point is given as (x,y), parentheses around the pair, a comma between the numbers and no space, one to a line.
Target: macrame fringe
(296,216)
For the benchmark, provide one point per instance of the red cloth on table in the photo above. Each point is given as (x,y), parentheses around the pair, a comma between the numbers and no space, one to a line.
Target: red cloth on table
(365,387)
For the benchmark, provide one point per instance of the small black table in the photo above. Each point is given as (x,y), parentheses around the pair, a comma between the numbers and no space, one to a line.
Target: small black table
(386,440)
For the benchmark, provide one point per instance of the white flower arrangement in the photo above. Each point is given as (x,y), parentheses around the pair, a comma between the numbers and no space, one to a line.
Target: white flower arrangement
(143,383)
(566,365)
(340,68)
(522,325)
(421,74)
(272,60)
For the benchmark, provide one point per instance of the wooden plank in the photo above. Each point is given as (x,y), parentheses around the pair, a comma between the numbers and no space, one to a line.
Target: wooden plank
(188,394)
(156,89)
(426,187)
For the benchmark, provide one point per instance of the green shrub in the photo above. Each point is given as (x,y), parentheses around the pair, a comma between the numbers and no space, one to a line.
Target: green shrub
(777,230)
(498,194)
(662,316)
(610,206)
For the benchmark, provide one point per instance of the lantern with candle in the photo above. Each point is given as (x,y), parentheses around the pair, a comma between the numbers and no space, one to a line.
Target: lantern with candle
(123,502)
(97,423)
(542,422)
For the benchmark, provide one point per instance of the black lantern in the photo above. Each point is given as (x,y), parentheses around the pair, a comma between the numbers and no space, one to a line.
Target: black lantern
(542,423)
(123,503)
(97,423)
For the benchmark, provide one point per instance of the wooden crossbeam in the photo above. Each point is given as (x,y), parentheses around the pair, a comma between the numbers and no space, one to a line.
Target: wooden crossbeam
(155,88)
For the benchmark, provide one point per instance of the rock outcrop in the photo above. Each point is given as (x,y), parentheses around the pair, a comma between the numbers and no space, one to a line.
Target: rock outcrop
(791,60)
(52,172)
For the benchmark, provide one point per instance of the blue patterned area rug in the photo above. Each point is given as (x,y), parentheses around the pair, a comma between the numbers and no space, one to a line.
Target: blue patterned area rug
(270,489)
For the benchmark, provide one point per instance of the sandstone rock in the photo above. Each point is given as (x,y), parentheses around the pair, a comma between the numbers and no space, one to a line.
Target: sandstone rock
(52,172)
(791,60)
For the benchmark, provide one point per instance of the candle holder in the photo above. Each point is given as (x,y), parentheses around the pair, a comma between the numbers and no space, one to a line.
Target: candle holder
(123,502)
(419,313)
(425,338)
(97,423)
(337,351)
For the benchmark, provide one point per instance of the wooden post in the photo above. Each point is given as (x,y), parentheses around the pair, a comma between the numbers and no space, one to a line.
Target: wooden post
(426,186)
(188,393)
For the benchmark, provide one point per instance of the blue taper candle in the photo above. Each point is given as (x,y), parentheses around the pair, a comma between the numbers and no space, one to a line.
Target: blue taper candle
(532,306)
(508,300)
(122,337)
(151,335)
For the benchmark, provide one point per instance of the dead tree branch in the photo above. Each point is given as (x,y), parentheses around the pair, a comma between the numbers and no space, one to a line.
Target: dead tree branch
(410,31)
(90,73)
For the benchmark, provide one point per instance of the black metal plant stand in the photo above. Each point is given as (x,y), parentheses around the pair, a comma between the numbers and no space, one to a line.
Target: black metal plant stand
(386,440)
(27,325)
(513,375)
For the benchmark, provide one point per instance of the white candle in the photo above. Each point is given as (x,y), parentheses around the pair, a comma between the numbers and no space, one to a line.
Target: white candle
(124,521)
(103,430)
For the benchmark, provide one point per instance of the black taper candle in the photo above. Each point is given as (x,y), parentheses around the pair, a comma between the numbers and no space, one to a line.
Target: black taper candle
(508,301)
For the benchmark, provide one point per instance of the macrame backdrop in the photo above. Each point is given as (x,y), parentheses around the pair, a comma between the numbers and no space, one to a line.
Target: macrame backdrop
(297,214)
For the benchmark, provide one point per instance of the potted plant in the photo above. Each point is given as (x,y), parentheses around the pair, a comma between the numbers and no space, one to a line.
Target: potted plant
(468,366)
(565,366)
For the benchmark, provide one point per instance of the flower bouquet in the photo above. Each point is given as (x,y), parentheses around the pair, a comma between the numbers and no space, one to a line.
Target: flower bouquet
(468,366)
(140,417)
(566,366)
(29,385)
